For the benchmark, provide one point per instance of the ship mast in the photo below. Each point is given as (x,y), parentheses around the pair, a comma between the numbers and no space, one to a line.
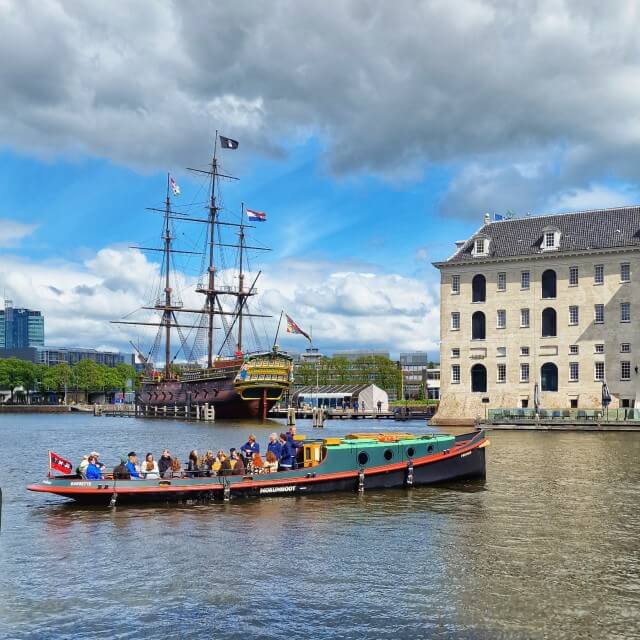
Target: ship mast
(211,295)
(241,294)
(167,312)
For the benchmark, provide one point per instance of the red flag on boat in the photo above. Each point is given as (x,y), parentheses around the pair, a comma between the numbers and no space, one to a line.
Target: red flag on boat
(58,463)
(292,327)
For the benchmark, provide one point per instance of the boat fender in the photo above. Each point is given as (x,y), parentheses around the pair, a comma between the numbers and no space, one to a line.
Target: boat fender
(410,473)
(114,498)
(361,480)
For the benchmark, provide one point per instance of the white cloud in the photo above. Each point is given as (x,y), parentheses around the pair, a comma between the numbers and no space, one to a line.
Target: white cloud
(593,197)
(346,308)
(12,232)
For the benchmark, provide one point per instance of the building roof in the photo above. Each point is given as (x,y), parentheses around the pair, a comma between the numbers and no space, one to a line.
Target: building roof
(579,231)
(341,389)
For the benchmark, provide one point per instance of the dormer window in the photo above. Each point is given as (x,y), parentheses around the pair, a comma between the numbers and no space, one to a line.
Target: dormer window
(481,246)
(550,239)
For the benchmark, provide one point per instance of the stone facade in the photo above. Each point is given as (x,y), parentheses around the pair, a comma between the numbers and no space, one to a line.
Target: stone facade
(566,361)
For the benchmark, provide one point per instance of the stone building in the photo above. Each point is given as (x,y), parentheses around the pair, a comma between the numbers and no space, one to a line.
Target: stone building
(552,300)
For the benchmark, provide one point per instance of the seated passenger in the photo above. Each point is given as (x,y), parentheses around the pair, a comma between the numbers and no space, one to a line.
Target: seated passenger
(233,456)
(81,469)
(250,448)
(164,464)
(207,463)
(176,469)
(257,464)
(120,471)
(93,470)
(238,467)
(215,467)
(193,467)
(132,466)
(274,445)
(150,469)
(99,464)
(226,468)
(271,465)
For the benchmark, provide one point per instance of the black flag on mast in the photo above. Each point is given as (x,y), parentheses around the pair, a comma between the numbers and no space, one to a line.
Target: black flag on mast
(228,143)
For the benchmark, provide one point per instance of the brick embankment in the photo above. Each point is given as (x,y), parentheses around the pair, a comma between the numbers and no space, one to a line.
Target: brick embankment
(33,408)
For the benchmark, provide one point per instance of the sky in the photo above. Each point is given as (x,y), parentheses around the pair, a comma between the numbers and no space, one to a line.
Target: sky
(373,134)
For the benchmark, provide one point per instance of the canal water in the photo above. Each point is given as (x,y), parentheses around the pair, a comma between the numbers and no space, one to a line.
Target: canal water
(546,548)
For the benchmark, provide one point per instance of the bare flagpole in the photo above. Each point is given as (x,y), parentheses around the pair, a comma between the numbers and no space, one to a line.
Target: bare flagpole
(275,340)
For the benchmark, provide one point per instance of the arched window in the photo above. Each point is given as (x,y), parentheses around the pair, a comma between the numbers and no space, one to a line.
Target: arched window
(478,288)
(549,284)
(479,378)
(549,377)
(549,324)
(478,326)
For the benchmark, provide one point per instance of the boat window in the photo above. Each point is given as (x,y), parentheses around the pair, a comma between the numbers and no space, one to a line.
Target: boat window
(430,448)
(363,458)
(411,451)
(388,454)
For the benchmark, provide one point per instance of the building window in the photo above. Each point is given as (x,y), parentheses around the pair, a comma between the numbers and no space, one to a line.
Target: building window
(524,318)
(625,370)
(455,352)
(599,313)
(478,378)
(599,348)
(524,372)
(502,373)
(549,323)
(598,274)
(479,246)
(524,279)
(625,272)
(549,284)
(502,281)
(599,371)
(549,377)
(625,347)
(501,352)
(478,288)
(478,326)
(455,284)
(573,276)
(524,351)
(574,372)
(574,350)
(573,314)
(455,321)
(549,239)
(455,374)
(625,312)
(501,319)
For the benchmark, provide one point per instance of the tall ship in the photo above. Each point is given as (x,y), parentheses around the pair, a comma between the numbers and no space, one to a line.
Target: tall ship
(202,362)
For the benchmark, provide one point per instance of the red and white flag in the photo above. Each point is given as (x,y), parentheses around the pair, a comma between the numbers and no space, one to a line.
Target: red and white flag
(58,463)
(256,216)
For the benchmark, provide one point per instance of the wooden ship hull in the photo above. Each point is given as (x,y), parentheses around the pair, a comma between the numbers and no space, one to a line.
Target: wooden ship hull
(382,461)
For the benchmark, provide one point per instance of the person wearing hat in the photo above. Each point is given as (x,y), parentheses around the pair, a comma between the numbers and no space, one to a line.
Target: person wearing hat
(93,470)
(132,466)
(98,464)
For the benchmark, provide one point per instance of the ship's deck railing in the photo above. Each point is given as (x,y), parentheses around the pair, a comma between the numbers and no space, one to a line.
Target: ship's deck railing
(566,415)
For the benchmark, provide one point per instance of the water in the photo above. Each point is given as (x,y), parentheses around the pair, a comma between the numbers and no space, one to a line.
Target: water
(547,548)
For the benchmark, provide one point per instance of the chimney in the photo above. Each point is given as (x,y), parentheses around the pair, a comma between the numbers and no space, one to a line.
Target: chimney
(460,244)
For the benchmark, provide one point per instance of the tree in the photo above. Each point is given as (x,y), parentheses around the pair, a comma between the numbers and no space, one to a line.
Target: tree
(89,376)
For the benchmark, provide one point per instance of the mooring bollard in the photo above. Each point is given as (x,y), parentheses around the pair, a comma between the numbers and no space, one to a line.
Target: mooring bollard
(291,416)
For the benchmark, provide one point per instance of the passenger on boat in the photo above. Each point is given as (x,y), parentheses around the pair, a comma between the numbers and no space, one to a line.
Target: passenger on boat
(238,467)
(271,465)
(226,468)
(81,470)
(288,455)
(132,466)
(208,462)
(257,463)
(193,468)
(164,464)
(217,462)
(250,447)
(99,464)
(274,445)
(93,471)
(176,468)
(120,471)
(150,469)
(295,444)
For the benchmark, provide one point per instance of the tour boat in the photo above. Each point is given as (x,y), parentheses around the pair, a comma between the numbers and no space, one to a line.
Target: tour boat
(357,462)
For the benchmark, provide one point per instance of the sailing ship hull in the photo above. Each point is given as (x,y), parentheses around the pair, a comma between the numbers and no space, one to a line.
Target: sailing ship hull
(464,460)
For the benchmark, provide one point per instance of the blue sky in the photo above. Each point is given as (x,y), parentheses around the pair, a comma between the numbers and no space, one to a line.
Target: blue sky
(374,135)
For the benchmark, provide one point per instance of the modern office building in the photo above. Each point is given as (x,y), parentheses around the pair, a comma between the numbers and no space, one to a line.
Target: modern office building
(20,328)
(56,355)
(545,301)
(418,379)
(355,354)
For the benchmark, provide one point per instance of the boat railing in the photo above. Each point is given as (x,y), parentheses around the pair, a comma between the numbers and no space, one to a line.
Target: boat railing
(624,414)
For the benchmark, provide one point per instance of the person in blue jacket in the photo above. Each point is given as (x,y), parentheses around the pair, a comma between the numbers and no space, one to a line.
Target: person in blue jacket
(93,471)
(287,454)
(274,446)
(295,444)
(132,466)
(250,448)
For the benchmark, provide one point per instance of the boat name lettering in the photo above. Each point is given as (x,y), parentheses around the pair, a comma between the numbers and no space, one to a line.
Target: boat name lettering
(80,484)
(467,453)
(287,489)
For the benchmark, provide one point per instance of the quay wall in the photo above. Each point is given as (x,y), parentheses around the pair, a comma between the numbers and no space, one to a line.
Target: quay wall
(34,408)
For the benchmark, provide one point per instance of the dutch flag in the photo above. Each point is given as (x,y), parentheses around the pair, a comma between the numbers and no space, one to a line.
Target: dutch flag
(256,216)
